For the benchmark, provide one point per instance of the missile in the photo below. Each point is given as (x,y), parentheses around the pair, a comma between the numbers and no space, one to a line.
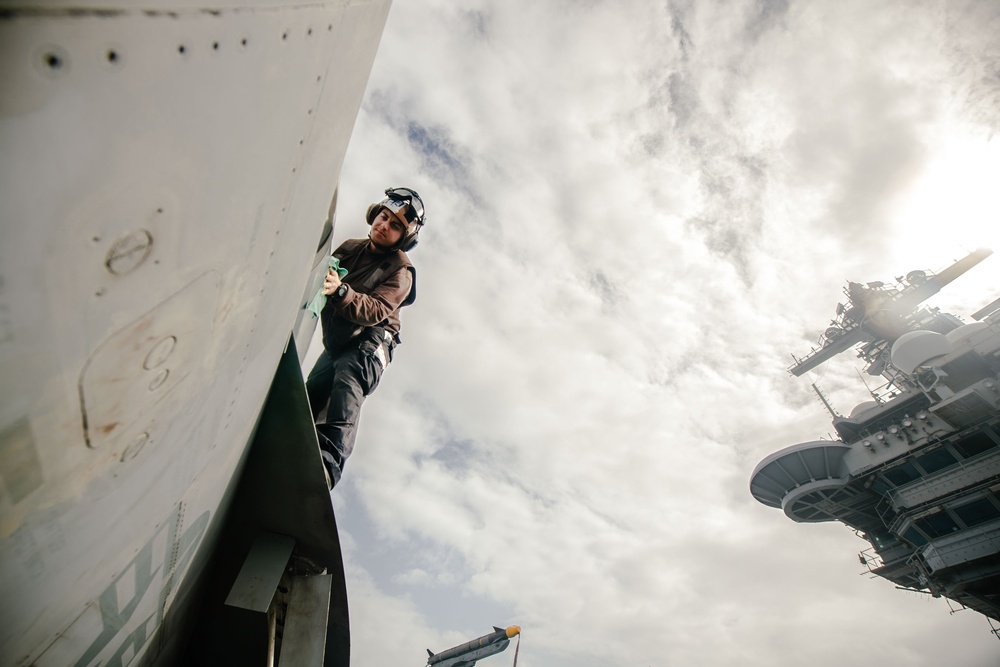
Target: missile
(466,655)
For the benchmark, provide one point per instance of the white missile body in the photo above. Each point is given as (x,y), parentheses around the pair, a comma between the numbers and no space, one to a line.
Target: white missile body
(466,655)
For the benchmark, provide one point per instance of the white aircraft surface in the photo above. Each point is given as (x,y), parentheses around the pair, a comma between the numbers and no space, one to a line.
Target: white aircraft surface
(165,172)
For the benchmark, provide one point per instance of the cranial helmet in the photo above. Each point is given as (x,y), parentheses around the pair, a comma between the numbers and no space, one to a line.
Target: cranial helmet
(406,204)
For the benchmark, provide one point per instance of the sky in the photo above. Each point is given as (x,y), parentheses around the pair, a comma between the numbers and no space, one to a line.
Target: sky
(637,211)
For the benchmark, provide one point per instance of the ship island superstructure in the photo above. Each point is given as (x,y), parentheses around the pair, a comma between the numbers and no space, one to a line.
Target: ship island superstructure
(916,470)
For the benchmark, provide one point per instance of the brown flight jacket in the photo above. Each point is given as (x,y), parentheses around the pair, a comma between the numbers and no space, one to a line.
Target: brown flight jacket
(378,283)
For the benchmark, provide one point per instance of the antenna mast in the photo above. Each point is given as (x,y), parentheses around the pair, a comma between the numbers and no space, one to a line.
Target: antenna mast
(833,413)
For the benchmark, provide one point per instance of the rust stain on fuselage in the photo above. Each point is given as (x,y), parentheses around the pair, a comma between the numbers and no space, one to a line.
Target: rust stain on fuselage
(108,428)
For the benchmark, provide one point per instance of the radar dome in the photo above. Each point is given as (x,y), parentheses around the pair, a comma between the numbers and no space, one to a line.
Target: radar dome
(916,348)
(964,331)
(862,407)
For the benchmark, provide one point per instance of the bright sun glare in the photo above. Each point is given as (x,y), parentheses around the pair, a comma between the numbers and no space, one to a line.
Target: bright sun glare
(954,208)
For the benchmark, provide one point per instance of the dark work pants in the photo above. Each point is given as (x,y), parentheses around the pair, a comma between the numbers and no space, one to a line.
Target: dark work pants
(340,383)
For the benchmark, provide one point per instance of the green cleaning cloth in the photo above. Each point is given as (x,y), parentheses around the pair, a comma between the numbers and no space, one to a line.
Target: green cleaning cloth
(318,301)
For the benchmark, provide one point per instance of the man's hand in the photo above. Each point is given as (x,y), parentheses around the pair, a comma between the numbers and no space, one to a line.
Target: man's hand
(331,283)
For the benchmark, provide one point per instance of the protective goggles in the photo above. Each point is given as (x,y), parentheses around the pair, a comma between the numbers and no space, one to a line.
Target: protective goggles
(401,196)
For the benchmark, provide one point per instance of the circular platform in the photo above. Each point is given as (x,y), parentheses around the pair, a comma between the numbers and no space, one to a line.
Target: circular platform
(794,467)
(827,500)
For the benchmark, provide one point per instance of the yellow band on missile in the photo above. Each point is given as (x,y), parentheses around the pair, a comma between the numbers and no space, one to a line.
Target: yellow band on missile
(513,630)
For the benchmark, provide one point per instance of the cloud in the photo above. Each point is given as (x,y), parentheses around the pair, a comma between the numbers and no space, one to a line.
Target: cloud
(636,213)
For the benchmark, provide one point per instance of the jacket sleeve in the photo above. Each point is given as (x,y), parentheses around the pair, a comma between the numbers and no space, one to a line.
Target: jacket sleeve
(371,309)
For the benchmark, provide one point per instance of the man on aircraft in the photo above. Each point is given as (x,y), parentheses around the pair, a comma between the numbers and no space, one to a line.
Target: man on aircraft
(361,320)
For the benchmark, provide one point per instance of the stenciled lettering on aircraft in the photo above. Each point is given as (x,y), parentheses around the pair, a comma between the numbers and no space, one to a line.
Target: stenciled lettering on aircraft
(155,569)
